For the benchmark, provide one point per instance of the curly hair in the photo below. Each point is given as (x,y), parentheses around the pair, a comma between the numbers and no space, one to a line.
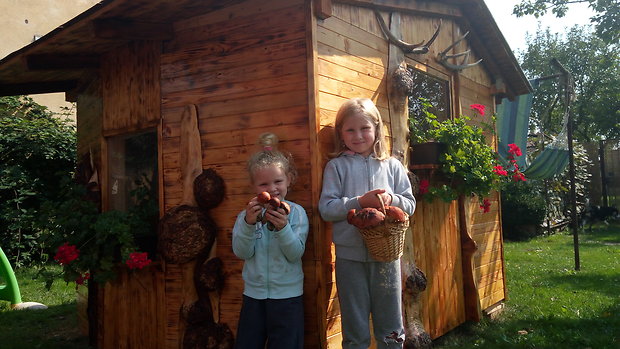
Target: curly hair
(271,156)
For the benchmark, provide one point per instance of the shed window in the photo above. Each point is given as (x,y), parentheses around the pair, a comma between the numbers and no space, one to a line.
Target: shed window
(434,90)
(133,182)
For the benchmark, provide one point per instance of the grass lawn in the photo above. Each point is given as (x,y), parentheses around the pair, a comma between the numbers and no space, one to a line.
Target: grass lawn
(53,328)
(550,305)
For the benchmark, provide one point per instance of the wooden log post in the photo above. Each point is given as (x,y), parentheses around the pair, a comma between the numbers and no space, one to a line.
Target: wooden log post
(398,85)
(191,153)
(397,96)
(473,310)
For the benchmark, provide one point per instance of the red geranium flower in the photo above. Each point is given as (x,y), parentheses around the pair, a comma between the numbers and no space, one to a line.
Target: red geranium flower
(514,149)
(479,108)
(486,206)
(518,176)
(424,186)
(66,254)
(82,278)
(499,170)
(137,260)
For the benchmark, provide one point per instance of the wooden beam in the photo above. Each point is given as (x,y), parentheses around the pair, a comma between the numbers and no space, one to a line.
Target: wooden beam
(323,8)
(71,96)
(424,8)
(37,87)
(124,29)
(61,62)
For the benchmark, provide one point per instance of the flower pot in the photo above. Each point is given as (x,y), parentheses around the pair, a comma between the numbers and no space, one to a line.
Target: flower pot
(426,153)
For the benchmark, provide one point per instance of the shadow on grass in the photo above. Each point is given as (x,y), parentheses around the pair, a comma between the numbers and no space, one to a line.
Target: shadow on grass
(52,328)
(550,332)
(607,284)
(603,233)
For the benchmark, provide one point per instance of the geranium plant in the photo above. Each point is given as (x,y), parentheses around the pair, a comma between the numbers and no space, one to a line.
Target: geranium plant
(93,245)
(469,164)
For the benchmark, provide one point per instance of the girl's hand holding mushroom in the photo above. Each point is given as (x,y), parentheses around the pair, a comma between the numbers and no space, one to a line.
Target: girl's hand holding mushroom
(277,217)
(276,211)
(252,211)
(370,199)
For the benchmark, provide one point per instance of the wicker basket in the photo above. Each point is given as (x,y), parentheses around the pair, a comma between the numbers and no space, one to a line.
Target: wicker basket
(385,242)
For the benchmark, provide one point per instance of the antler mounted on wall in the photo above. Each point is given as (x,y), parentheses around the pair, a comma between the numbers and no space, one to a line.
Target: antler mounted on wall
(443,57)
(419,48)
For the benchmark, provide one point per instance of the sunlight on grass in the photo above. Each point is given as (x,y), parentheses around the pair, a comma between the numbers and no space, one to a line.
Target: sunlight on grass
(550,305)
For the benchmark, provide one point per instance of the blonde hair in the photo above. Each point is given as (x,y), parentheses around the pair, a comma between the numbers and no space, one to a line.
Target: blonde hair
(366,108)
(270,156)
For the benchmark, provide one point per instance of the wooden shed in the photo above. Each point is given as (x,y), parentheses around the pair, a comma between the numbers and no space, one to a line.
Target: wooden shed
(284,66)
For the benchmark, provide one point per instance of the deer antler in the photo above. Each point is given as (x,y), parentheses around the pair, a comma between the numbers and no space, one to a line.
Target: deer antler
(419,48)
(443,56)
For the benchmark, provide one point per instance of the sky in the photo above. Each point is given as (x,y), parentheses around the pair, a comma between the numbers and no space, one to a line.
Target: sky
(515,29)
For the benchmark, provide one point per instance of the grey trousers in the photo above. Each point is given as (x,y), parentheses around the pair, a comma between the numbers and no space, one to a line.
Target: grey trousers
(366,288)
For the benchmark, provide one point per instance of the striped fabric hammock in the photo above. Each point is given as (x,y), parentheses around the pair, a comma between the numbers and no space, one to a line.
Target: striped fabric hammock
(512,127)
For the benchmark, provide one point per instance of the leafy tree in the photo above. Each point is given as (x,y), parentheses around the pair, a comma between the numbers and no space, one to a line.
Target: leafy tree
(37,151)
(607,17)
(595,69)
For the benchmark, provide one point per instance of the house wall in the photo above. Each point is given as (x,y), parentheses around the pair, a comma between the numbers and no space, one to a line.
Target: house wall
(124,100)
(351,61)
(268,67)
(244,67)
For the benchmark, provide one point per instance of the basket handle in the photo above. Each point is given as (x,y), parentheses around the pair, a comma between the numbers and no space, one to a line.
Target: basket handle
(382,203)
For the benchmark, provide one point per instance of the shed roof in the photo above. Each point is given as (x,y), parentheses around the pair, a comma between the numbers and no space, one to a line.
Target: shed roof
(57,61)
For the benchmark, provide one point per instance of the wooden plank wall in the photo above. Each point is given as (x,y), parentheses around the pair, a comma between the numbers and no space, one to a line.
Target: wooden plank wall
(472,85)
(130,102)
(437,251)
(352,62)
(245,68)
(485,228)
(130,87)
(131,312)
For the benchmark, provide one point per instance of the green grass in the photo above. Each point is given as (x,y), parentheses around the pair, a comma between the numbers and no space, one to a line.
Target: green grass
(550,305)
(52,328)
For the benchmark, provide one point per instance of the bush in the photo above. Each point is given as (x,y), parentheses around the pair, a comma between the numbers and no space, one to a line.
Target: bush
(523,211)
(37,151)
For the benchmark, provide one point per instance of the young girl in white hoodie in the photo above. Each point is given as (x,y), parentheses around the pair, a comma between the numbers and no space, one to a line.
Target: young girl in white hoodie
(271,241)
(360,170)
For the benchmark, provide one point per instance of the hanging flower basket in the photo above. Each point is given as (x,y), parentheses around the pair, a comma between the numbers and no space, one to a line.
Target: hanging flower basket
(466,165)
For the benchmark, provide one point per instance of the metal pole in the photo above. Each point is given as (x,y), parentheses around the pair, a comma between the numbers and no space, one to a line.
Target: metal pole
(571,162)
(573,194)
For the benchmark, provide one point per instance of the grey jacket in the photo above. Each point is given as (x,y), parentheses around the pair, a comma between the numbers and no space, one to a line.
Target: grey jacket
(352,175)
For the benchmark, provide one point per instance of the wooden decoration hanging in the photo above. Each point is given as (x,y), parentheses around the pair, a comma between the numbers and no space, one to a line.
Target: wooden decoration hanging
(184,234)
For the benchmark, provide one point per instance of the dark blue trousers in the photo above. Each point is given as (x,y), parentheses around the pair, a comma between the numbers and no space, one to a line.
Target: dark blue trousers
(279,323)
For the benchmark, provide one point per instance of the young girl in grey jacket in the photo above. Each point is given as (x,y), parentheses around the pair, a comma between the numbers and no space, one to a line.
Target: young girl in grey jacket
(271,239)
(360,170)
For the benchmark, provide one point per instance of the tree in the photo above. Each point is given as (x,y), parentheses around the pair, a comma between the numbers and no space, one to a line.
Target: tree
(607,17)
(595,68)
(37,151)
